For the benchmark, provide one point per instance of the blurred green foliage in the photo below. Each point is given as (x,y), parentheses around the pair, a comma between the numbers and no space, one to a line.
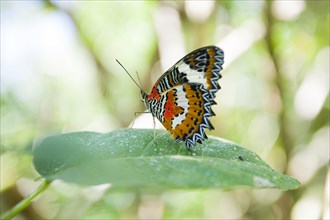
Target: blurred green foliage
(58,74)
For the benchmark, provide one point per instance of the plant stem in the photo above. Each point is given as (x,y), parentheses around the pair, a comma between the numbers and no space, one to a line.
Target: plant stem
(285,135)
(25,202)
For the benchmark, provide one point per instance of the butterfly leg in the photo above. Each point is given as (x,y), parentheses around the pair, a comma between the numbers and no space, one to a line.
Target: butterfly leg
(135,118)
(153,118)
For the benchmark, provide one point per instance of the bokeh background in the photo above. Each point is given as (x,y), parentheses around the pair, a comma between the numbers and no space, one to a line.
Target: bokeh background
(59,74)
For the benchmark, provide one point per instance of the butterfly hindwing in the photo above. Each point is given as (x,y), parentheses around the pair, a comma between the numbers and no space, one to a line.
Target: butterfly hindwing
(186,112)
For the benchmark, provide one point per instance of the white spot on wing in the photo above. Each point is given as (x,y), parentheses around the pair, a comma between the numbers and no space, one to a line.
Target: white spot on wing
(193,76)
(183,102)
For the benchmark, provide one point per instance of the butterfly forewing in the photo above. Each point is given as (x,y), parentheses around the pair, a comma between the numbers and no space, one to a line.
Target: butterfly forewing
(201,66)
(181,99)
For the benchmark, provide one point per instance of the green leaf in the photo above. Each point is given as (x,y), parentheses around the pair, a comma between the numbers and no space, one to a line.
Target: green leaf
(133,158)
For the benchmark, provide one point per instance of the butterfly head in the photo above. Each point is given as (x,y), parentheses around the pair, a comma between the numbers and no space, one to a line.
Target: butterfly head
(144,96)
(145,99)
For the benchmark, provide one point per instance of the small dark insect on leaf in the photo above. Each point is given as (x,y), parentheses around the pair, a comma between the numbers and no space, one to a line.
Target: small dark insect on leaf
(241,158)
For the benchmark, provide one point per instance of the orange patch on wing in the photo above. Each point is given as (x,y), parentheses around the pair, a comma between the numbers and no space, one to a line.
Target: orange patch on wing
(171,108)
(154,93)
(208,73)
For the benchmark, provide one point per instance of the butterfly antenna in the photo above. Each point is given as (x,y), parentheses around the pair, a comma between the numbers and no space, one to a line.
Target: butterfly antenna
(138,78)
(129,74)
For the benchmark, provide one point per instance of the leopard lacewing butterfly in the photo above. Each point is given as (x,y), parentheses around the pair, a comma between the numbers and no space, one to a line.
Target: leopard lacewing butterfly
(182,97)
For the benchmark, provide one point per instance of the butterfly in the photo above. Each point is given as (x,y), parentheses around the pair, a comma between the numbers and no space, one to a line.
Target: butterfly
(182,97)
